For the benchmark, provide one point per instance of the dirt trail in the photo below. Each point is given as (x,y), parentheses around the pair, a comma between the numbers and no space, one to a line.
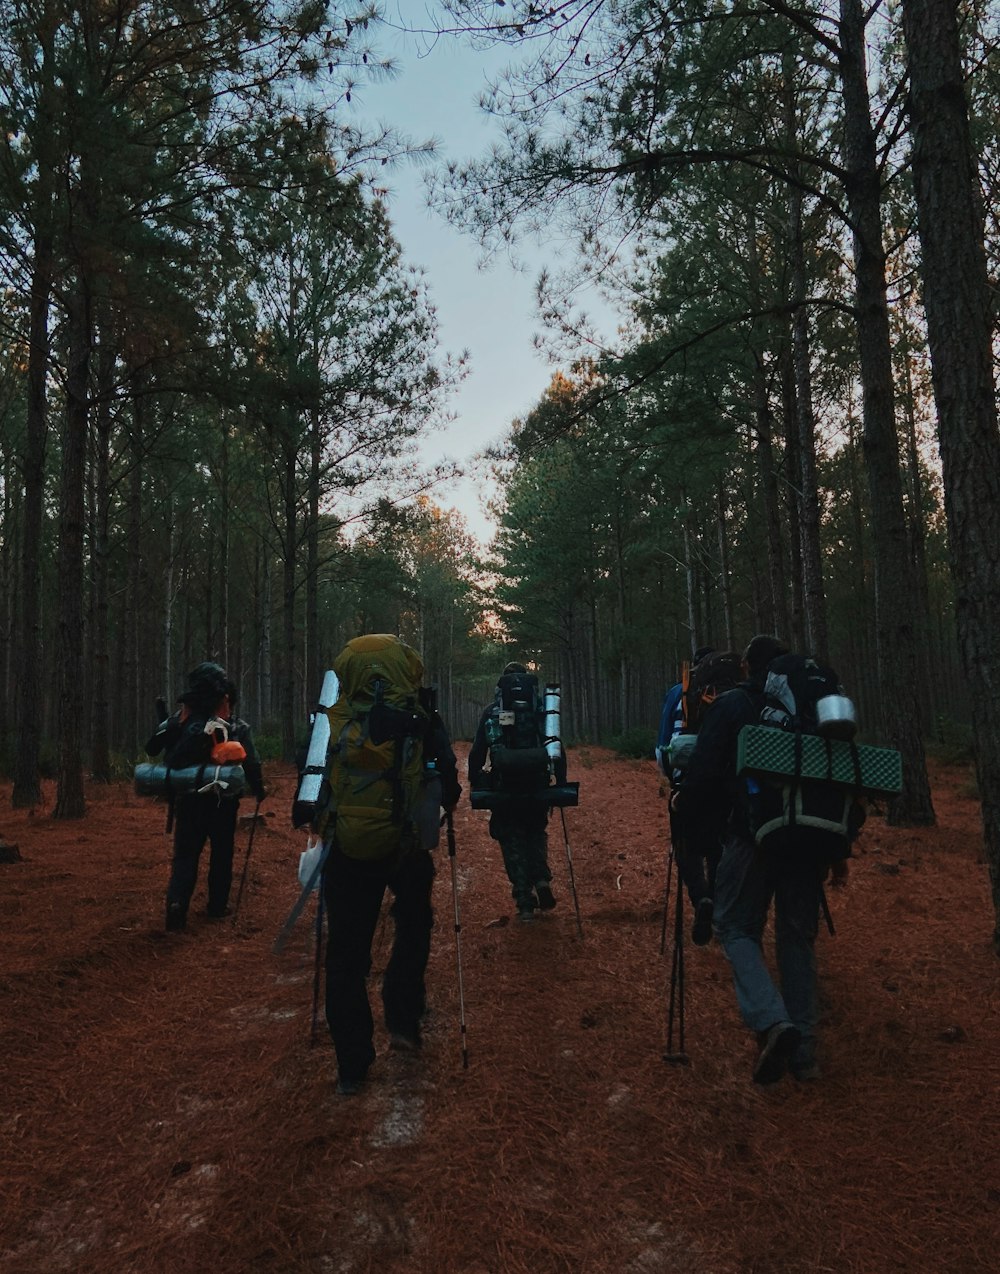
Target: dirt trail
(164,1110)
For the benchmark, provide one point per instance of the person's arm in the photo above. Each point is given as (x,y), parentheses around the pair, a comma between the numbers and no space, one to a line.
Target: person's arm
(164,736)
(251,763)
(479,750)
(447,764)
(708,786)
(667,715)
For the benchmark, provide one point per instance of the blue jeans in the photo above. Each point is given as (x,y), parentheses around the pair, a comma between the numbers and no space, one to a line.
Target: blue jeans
(746,883)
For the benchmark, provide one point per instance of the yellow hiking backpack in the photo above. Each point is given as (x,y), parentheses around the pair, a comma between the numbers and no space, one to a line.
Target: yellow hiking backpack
(377,730)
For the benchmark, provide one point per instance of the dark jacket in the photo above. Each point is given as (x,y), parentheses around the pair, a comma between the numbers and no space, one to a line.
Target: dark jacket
(437,748)
(480,748)
(187,741)
(711,799)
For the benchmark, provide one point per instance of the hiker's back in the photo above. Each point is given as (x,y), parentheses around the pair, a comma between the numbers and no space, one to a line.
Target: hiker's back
(391,768)
(378,728)
(807,809)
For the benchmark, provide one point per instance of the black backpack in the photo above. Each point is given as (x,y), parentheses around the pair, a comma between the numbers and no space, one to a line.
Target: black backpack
(795,814)
(515,734)
(713,676)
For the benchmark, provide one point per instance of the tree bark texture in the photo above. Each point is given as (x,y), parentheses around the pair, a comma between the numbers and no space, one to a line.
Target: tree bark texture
(100,655)
(777,621)
(795,634)
(804,479)
(958,306)
(27,790)
(69,791)
(896,640)
(288,609)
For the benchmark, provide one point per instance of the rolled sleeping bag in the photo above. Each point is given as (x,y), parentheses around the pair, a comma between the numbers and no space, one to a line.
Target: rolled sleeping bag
(157,779)
(559,794)
(311,780)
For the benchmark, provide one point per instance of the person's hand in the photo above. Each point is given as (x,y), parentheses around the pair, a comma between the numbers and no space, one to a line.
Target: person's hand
(674,798)
(261,794)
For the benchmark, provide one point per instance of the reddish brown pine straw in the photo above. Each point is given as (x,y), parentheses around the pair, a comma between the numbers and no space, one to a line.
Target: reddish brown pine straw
(163,1109)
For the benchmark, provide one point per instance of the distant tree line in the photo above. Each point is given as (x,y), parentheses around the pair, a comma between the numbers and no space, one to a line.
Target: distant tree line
(214,366)
(798,206)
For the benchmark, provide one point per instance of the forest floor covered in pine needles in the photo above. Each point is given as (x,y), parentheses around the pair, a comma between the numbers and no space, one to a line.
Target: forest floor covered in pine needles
(164,1109)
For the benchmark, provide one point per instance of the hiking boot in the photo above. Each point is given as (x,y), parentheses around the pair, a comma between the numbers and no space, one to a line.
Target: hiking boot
(176,917)
(806,1072)
(777,1045)
(213,913)
(546,898)
(405,1041)
(701,930)
(350,1085)
(526,909)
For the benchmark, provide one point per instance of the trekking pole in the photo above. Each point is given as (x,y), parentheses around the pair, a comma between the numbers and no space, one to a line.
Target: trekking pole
(317,967)
(449,820)
(680,1058)
(246,862)
(572,877)
(825,906)
(666,894)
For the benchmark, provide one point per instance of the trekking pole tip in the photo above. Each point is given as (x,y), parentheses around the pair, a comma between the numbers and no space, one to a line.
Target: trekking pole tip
(677,1059)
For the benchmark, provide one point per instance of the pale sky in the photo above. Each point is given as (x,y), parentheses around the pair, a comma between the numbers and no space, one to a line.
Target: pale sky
(490,312)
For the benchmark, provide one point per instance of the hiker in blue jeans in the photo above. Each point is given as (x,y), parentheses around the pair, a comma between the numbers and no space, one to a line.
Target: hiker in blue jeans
(746,884)
(782,1015)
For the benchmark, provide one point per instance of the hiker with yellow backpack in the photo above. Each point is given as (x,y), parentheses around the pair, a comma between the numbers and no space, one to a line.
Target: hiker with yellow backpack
(391,770)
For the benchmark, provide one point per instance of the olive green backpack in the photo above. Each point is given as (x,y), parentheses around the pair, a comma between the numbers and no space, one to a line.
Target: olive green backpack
(376,760)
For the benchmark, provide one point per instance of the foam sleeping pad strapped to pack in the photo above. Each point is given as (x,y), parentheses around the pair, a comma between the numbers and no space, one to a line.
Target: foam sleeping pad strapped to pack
(157,779)
(768,751)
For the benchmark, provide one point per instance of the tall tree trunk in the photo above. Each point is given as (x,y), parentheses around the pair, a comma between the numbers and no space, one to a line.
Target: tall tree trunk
(694,640)
(27,789)
(917,530)
(222,575)
(288,610)
(594,690)
(100,655)
(314,674)
(265,705)
(897,648)
(767,486)
(134,599)
(795,635)
(814,594)
(959,309)
(69,792)
(726,584)
(9,549)
(169,568)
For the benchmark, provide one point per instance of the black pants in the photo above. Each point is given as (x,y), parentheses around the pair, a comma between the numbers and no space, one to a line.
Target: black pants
(697,867)
(353,892)
(198,819)
(521,833)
